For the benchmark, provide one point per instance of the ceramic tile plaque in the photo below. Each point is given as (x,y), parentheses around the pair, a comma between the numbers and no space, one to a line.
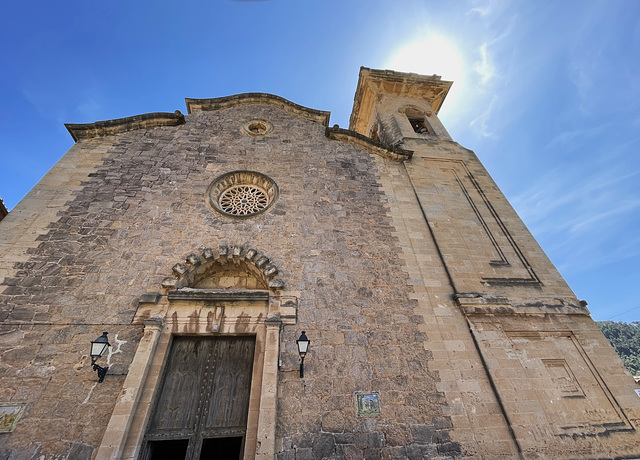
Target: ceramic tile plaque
(367,404)
(10,413)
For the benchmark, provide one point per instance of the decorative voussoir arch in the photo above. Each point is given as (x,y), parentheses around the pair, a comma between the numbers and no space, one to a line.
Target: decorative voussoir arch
(188,273)
(229,291)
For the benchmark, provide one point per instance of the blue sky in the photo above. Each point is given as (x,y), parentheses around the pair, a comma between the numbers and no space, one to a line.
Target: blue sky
(547,94)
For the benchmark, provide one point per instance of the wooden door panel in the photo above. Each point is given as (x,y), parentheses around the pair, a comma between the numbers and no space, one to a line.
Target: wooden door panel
(204,398)
(177,406)
(231,384)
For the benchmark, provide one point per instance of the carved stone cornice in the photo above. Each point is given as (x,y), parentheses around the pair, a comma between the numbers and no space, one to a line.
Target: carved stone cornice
(80,131)
(366,143)
(219,103)
(472,303)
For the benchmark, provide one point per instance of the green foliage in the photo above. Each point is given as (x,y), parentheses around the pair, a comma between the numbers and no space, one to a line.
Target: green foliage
(625,338)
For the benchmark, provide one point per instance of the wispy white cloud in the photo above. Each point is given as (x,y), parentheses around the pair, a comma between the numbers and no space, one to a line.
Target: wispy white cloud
(485,67)
(484,8)
(626,249)
(579,254)
(563,188)
(569,138)
(583,220)
(583,73)
(601,74)
(481,11)
(587,225)
(489,68)
(481,123)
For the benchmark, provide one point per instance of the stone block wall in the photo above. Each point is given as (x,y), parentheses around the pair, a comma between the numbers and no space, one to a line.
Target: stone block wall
(414,279)
(139,207)
(504,337)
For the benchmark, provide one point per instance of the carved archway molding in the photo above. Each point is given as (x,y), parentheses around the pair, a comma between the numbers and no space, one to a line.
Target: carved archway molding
(187,273)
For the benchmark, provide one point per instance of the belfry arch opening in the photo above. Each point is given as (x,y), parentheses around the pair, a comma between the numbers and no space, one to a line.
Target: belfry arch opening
(417,119)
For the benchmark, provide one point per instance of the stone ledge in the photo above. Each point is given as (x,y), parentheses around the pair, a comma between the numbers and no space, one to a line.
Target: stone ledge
(511,282)
(150,297)
(218,103)
(472,303)
(475,298)
(217,294)
(525,310)
(120,125)
(366,143)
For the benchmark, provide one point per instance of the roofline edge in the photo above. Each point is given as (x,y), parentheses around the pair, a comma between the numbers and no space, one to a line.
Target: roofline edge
(81,131)
(219,103)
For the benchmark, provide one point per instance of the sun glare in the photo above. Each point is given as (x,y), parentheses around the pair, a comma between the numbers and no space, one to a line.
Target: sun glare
(432,54)
(427,56)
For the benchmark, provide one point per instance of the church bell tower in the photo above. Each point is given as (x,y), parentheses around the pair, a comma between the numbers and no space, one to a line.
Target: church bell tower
(524,368)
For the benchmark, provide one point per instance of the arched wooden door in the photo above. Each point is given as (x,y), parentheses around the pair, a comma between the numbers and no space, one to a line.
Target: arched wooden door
(202,408)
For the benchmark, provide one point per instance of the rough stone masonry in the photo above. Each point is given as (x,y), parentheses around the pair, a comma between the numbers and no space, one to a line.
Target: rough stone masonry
(421,290)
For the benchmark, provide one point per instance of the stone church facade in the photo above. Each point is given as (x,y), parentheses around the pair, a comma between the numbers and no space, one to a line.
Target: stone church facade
(205,244)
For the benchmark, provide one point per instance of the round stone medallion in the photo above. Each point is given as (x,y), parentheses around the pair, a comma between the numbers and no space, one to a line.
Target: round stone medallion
(242,193)
(257,128)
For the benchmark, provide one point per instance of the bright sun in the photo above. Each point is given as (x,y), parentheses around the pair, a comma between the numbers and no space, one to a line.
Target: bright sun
(433,54)
(429,55)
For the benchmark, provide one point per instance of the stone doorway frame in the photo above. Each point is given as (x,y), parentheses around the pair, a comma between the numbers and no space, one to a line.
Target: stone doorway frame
(183,310)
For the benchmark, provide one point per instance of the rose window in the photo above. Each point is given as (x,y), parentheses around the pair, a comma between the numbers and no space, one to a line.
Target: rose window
(242,193)
(243,200)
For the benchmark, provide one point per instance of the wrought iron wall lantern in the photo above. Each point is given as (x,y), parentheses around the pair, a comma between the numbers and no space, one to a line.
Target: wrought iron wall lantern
(303,346)
(98,347)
